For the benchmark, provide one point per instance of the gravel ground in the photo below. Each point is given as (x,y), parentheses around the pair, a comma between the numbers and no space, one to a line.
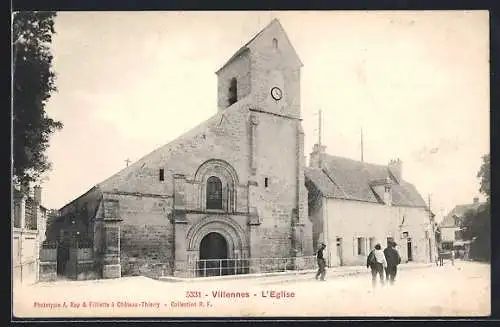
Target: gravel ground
(460,290)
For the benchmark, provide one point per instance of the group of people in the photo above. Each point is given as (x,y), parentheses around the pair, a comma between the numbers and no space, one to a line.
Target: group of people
(379,261)
(387,260)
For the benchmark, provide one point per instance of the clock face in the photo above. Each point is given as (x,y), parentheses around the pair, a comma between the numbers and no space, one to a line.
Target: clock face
(276,93)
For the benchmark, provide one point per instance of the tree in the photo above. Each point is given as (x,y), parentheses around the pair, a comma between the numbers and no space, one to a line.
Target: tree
(33,84)
(476,224)
(484,176)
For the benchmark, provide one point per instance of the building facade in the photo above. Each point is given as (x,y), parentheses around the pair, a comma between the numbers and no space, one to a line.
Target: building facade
(231,188)
(355,205)
(28,233)
(450,227)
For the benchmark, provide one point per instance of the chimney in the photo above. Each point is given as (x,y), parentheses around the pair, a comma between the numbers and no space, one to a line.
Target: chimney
(316,154)
(476,200)
(395,167)
(38,194)
(388,192)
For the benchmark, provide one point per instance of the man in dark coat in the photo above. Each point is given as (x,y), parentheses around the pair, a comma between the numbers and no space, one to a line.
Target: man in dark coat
(321,262)
(393,260)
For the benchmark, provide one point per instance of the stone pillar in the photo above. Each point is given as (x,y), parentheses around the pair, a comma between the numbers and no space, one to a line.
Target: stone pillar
(111,267)
(22,210)
(301,191)
(181,258)
(254,222)
(180,227)
(297,245)
(253,143)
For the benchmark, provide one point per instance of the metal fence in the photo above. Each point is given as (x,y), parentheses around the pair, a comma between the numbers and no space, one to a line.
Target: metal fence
(222,267)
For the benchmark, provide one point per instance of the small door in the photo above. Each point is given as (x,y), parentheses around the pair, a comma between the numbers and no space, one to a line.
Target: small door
(339,251)
(410,254)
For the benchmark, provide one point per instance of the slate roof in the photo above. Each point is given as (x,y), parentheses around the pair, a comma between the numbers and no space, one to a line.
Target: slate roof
(459,211)
(348,179)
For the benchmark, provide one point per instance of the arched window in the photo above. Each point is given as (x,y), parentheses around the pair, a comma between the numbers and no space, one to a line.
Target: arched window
(214,193)
(275,44)
(233,91)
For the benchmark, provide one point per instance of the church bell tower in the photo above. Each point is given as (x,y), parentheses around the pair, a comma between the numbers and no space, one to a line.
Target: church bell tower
(264,76)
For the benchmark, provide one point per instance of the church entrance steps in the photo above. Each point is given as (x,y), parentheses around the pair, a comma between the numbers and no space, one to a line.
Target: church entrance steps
(289,276)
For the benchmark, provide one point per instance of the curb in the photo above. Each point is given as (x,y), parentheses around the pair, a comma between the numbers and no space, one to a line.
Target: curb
(288,275)
(236,277)
(338,274)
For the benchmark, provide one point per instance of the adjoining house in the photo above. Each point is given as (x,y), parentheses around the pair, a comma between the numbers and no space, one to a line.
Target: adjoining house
(354,205)
(28,233)
(450,228)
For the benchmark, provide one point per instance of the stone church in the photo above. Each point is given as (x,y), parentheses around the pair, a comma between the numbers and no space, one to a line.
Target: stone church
(231,188)
(233,194)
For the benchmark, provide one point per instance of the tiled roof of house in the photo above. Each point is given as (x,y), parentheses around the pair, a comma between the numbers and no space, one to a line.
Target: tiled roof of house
(344,178)
(459,211)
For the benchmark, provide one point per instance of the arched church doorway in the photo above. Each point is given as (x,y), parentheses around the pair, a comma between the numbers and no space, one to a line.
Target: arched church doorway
(213,259)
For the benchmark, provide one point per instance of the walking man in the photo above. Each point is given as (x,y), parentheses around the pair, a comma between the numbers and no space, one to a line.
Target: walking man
(377,262)
(321,262)
(393,260)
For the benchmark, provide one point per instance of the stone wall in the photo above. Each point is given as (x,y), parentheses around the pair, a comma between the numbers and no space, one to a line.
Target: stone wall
(146,234)
(25,256)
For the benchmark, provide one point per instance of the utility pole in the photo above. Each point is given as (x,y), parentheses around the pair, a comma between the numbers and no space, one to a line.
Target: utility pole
(127,161)
(431,221)
(319,138)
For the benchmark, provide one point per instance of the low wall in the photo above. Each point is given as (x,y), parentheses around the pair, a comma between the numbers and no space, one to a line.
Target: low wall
(24,256)
(48,263)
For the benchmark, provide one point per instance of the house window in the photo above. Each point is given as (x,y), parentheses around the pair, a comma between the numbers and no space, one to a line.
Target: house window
(372,243)
(266,182)
(361,246)
(162,174)
(233,91)
(214,193)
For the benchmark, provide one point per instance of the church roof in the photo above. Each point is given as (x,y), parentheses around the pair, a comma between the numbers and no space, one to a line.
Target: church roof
(247,45)
(343,178)
(165,156)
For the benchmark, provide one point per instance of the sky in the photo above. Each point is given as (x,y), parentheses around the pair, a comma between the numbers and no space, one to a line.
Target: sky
(416,83)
